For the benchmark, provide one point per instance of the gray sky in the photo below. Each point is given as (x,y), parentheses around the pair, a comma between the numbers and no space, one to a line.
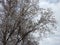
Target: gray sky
(55,5)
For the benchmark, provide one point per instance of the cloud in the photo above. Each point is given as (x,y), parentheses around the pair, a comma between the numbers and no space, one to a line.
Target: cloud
(51,1)
(53,39)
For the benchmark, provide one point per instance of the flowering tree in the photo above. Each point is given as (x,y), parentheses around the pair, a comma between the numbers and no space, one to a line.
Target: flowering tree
(21,19)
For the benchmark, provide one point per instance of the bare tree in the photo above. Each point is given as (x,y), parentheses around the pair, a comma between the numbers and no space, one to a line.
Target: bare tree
(18,24)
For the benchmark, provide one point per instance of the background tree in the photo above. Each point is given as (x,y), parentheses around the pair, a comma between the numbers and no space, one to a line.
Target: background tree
(19,24)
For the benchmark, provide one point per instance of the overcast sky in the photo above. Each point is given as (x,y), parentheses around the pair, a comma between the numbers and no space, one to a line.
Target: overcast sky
(55,5)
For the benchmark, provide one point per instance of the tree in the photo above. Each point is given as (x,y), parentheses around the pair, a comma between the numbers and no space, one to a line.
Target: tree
(18,23)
